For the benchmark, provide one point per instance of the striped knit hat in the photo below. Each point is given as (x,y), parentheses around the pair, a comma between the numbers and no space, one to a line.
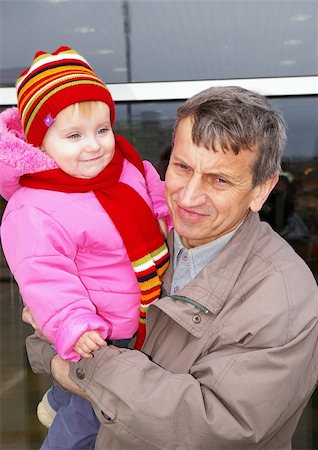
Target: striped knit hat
(53,82)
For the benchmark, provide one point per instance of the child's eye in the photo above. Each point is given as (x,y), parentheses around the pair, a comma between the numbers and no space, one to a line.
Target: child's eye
(73,136)
(103,130)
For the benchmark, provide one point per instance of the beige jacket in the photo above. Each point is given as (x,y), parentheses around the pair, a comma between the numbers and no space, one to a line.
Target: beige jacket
(232,361)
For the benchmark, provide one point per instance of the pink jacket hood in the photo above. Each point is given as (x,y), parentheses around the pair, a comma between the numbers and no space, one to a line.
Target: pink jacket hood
(17,157)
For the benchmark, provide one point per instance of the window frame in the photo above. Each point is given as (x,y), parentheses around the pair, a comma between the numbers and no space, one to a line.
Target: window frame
(181,90)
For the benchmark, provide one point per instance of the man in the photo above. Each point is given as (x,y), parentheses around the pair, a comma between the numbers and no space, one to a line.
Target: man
(231,354)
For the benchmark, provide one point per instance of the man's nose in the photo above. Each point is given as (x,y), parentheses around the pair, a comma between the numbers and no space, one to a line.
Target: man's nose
(193,192)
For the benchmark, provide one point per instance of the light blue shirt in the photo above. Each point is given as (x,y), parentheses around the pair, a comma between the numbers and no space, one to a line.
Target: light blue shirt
(188,262)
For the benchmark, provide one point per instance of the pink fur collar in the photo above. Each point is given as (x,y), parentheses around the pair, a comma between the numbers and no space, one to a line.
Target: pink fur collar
(15,151)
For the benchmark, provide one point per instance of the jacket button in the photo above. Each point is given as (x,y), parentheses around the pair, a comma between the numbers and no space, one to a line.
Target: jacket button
(80,374)
(196,318)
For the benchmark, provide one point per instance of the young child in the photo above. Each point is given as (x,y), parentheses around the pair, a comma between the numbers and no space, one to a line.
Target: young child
(80,231)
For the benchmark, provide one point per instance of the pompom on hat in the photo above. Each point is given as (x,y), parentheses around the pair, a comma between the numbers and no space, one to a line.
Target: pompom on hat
(53,82)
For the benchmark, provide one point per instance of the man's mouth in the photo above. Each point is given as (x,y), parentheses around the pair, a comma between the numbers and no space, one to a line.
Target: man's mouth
(189,214)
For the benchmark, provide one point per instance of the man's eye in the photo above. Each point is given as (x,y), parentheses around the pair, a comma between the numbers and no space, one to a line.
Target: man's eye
(182,166)
(221,181)
(218,182)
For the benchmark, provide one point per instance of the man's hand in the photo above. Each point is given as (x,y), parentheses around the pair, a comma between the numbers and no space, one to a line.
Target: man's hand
(27,317)
(60,372)
(89,342)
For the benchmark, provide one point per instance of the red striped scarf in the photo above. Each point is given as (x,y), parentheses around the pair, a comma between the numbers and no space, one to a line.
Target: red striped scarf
(130,214)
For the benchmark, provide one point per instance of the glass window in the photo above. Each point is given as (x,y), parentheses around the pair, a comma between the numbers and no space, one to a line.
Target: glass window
(292,208)
(142,40)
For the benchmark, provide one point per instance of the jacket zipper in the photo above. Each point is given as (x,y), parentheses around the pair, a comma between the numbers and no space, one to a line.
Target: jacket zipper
(190,301)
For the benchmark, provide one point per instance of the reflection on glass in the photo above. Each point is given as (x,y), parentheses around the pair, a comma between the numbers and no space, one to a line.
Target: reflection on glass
(165,40)
(150,128)
(292,209)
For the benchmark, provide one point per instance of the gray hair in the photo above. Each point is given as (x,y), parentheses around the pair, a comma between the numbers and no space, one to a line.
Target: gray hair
(237,119)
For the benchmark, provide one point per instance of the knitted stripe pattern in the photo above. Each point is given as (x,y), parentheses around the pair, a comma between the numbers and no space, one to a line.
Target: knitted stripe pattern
(149,280)
(53,82)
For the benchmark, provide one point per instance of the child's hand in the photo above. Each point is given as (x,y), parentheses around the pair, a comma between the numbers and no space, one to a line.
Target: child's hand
(89,342)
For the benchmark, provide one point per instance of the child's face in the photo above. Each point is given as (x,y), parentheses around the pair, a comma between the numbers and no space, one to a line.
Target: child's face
(82,145)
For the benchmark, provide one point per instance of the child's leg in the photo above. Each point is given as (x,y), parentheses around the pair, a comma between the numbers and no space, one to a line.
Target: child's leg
(58,397)
(52,400)
(74,427)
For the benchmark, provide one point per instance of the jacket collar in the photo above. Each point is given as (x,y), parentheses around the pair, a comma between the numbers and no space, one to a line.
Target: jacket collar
(212,286)
(17,157)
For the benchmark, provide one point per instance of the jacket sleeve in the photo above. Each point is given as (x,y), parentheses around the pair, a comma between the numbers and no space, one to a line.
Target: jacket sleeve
(232,398)
(40,354)
(156,191)
(43,264)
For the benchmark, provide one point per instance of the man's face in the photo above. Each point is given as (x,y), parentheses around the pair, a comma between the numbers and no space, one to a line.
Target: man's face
(209,193)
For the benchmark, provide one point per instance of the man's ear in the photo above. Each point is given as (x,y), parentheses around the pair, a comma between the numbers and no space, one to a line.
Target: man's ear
(261,192)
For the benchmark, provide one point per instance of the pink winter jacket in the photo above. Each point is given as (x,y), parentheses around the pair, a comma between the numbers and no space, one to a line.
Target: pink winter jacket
(67,257)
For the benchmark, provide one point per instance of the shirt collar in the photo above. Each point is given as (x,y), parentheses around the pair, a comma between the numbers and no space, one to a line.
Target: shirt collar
(202,254)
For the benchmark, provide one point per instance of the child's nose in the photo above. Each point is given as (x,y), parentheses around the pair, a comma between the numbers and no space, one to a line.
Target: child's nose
(92,144)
